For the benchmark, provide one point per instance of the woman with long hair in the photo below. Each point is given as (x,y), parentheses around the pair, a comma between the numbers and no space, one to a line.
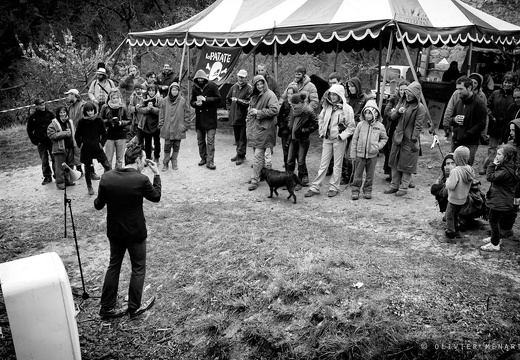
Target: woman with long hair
(115,117)
(61,133)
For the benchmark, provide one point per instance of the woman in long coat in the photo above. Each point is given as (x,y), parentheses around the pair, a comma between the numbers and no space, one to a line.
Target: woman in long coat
(404,155)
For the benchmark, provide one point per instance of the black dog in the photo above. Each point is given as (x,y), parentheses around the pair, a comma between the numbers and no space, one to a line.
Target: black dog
(276,179)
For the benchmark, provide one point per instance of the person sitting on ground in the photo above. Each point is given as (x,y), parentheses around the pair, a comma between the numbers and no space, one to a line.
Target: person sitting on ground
(336,125)
(458,185)
(502,175)
(61,133)
(90,137)
(302,123)
(370,137)
(174,122)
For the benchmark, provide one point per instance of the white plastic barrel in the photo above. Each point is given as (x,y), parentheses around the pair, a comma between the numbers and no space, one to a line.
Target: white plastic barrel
(40,308)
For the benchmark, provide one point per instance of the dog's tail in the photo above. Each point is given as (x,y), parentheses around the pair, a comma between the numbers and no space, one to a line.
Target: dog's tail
(297,179)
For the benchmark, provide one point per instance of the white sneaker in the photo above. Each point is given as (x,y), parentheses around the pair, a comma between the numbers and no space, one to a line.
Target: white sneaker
(490,247)
(486,240)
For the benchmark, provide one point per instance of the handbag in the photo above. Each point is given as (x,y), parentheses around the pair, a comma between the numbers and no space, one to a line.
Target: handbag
(476,205)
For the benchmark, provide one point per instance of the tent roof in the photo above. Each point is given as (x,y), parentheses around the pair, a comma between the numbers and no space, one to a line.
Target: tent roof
(355,24)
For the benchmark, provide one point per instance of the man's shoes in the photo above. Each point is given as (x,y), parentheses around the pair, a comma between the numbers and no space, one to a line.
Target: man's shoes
(367,196)
(355,196)
(490,247)
(310,193)
(47,180)
(240,160)
(90,190)
(144,306)
(297,187)
(253,186)
(305,180)
(202,162)
(94,176)
(452,234)
(111,313)
(234,158)
(332,193)
(391,191)
(400,193)
(211,166)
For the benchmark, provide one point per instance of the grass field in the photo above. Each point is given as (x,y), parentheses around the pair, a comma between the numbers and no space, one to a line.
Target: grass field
(240,276)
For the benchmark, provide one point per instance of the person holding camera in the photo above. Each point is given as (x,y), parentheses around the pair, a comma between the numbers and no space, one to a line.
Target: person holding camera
(122,191)
(115,116)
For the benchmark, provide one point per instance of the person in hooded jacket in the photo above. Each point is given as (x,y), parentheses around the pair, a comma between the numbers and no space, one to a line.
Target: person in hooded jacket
(37,124)
(458,185)
(335,125)
(370,137)
(149,108)
(302,123)
(115,117)
(404,155)
(261,125)
(61,133)
(502,174)
(237,102)
(174,122)
(90,137)
(497,106)
(205,98)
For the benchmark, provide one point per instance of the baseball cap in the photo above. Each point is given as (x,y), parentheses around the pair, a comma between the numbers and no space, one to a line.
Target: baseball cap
(242,73)
(39,101)
(72,91)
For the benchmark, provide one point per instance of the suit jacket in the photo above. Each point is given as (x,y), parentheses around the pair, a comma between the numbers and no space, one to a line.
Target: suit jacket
(123,190)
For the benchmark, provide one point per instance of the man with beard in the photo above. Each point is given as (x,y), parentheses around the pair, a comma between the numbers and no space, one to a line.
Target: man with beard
(205,99)
(37,124)
(100,87)
(468,119)
(127,85)
(165,79)
(237,102)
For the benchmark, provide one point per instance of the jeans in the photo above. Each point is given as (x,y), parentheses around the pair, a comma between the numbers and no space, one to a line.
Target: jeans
(400,180)
(258,164)
(472,151)
(285,148)
(298,151)
(168,146)
(369,167)
(240,139)
(495,219)
(147,139)
(45,152)
(118,146)
(206,141)
(137,252)
(452,217)
(330,148)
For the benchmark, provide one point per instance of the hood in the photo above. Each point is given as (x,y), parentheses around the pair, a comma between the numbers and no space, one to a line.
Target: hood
(448,156)
(173,84)
(357,84)
(201,74)
(256,79)
(338,90)
(372,106)
(478,77)
(461,156)
(415,89)
(516,123)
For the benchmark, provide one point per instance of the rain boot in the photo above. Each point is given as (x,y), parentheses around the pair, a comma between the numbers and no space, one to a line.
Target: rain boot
(166,160)
(174,160)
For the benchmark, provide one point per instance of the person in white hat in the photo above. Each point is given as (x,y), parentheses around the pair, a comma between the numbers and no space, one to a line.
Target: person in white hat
(237,102)
(100,87)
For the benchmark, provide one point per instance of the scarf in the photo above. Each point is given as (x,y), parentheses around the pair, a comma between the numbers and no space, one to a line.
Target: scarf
(115,105)
(93,117)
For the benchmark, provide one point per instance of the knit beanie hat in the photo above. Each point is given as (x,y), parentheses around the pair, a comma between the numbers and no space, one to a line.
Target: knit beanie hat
(298,98)
(461,155)
(479,78)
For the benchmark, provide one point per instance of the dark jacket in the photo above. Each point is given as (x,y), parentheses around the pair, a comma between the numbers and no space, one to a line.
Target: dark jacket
(282,119)
(503,181)
(165,80)
(90,137)
(358,100)
(116,129)
(303,125)
(238,109)
(37,124)
(475,114)
(206,113)
(497,106)
(123,190)
(438,189)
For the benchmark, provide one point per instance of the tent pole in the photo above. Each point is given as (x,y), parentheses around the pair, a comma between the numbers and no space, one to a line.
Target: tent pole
(336,57)
(470,55)
(275,62)
(131,52)
(182,58)
(414,73)
(387,63)
(188,67)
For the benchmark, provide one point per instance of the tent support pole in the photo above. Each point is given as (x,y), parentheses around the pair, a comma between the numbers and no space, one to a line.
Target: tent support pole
(414,73)
(387,63)
(188,80)
(182,58)
(470,55)
(336,57)
(275,62)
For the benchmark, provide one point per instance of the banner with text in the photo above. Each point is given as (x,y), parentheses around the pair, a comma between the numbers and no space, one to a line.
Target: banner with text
(218,62)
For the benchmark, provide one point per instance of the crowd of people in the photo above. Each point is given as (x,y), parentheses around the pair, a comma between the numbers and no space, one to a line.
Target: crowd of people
(354,131)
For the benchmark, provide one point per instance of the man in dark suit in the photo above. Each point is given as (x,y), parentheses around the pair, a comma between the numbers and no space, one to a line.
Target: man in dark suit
(123,190)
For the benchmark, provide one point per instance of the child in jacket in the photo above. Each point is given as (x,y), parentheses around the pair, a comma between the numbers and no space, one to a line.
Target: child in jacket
(458,185)
(369,137)
(501,173)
